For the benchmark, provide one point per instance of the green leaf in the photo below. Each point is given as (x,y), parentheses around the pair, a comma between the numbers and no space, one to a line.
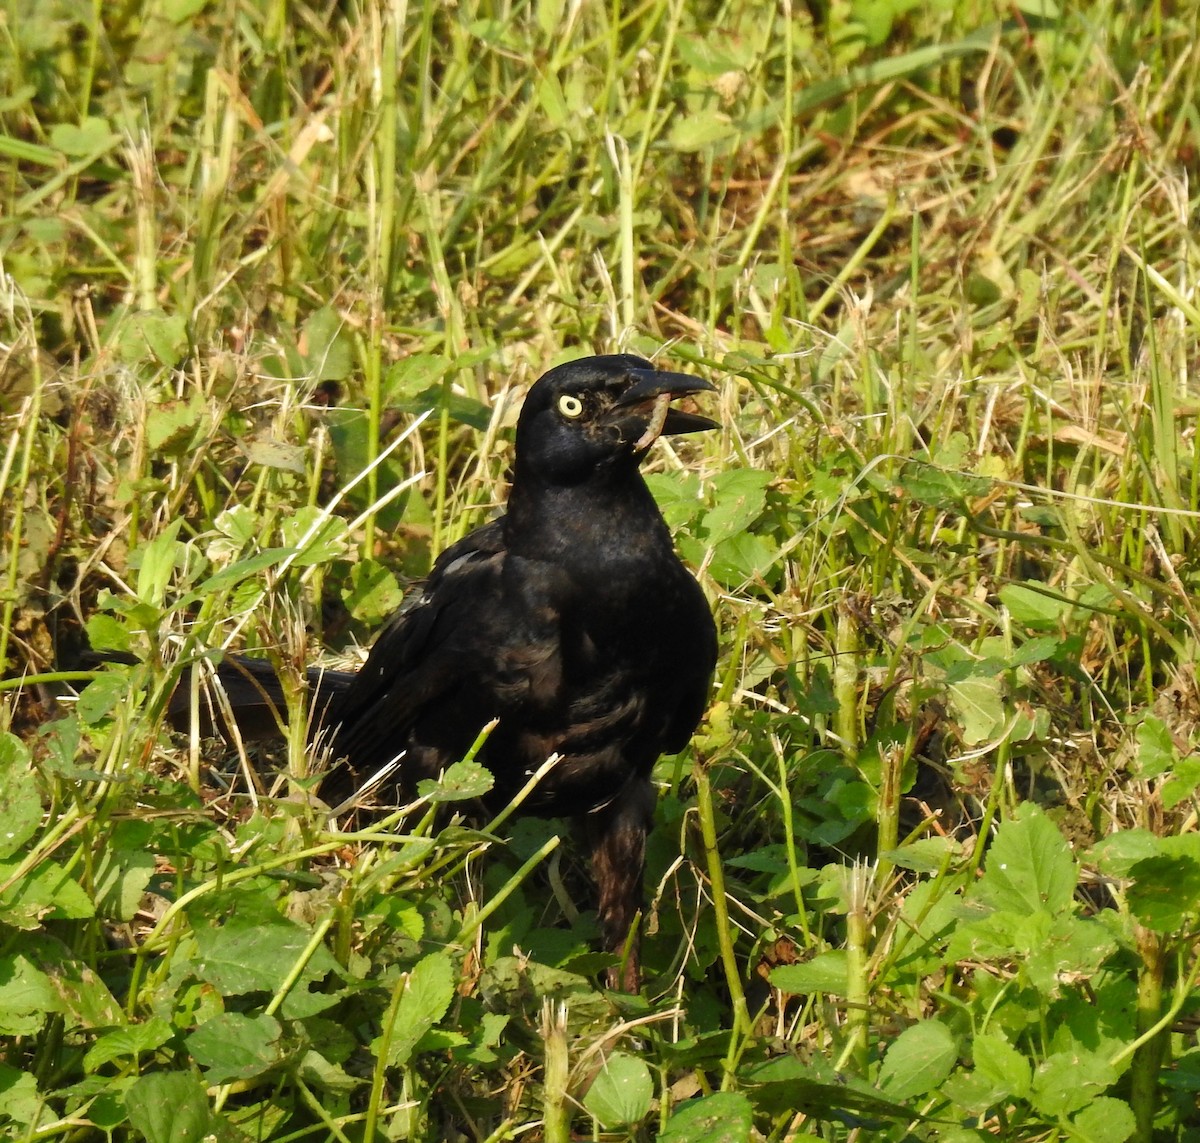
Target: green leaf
(739,496)
(327,351)
(317,537)
(93,136)
(237,959)
(919,1059)
(1067,1081)
(107,633)
(236,1046)
(1105,1120)
(372,593)
(1118,853)
(156,564)
(20,1101)
(170,1107)
(978,702)
(1165,893)
(725,1117)
(245,569)
(622,1091)
(998,1061)
(1182,784)
(127,1042)
(926,855)
(1033,605)
(1072,948)
(701,130)
(428,990)
(97,700)
(180,11)
(826,972)
(1156,748)
(20,806)
(461,780)
(281,455)
(46,892)
(27,997)
(121,878)
(1029,867)
(1036,650)
(156,338)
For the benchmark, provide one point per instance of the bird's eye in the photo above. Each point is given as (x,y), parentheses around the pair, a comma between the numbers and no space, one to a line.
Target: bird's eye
(570,406)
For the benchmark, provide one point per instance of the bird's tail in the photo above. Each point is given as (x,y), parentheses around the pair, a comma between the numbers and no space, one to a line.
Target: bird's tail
(247,695)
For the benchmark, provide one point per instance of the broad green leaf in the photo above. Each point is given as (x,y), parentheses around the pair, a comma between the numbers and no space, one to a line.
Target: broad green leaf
(918,1060)
(978,702)
(27,997)
(20,806)
(461,780)
(725,1117)
(105,692)
(791,1084)
(1067,1081)
(1034,605)
(127,1042)
(91,137)
(107,633)
(621,1092)
(428,990)
(739,496)
(1182,783)
(327,350)
(1156,748)
(281,455)
(1036,650)
(236,1046)
(121,878)
(316,1071)
(20,1101)
(170,1107)
(180,11)
(701,130)
(318,538)
(45,893)
(1001,1063)
(926,855)
(372,593)
(1029,867)
(237,959)
(251,566)
(1118,853)
(826,972)
(1073,948)
(1105,1120)
(1165,893)
(159,339)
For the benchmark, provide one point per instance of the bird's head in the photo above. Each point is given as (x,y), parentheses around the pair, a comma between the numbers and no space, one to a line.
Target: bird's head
(599,413)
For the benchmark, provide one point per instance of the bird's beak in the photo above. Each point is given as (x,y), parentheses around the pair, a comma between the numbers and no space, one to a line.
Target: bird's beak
(648,401)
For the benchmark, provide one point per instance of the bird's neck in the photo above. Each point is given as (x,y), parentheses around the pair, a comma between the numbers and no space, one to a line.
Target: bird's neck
(592,524)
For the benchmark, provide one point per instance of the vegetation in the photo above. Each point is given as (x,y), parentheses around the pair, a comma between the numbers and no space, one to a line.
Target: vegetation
(275,276)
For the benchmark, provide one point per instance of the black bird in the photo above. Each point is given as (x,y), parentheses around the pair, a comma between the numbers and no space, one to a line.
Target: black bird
(569,620)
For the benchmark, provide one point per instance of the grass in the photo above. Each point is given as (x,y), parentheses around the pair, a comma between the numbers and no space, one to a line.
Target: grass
(274,279)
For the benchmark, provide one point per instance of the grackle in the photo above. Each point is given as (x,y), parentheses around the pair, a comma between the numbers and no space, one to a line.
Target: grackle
(569,620)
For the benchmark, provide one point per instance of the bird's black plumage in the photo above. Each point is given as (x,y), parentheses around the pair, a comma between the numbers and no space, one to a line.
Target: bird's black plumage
(569,619)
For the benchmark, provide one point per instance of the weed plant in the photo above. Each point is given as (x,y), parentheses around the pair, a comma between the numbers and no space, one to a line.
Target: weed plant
(274,277)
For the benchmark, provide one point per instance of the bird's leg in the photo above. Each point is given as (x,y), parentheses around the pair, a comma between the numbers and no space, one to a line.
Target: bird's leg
(617,837)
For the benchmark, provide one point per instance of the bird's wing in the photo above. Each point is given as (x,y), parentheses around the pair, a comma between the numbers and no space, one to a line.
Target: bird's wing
(428,653)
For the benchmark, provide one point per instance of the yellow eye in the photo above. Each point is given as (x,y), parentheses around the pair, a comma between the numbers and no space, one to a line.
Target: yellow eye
(570,406)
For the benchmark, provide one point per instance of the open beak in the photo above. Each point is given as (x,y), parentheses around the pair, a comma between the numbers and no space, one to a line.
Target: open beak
(645,407)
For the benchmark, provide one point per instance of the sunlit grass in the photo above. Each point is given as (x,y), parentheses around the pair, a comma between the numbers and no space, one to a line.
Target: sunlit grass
(939,265)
